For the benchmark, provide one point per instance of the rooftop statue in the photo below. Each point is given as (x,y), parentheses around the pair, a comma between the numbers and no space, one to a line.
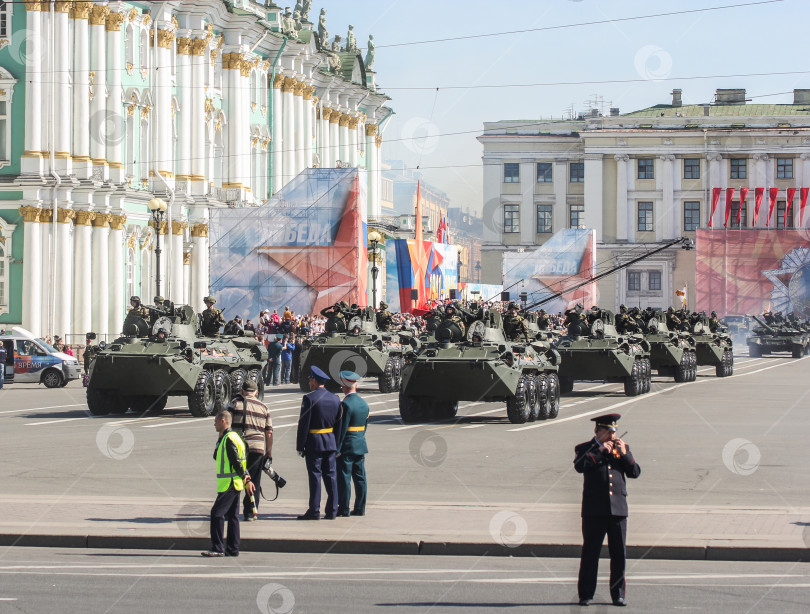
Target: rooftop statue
(351,41)
(323,34)
(336,44)
(370,53)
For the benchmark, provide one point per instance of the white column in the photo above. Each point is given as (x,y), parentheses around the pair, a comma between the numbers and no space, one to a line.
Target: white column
(82,299)
(288,127)
(115,126)
(528,215)
(593,193)
(717,180)
(34,38)
(177,294)
(343,129)
(62,147)
(100,268)
(664,231)
(759,180)
(622,233)
(186,276)
(197,112)
(199,265)
(353,142)
(334,137)
(276,143)
(373,167)
(560,212)
(63,322)
(309,117)
(98,104)
(163,117)
(185,95)
(325,144)
(298,93)
(117,302)
(32,306)
(81,95)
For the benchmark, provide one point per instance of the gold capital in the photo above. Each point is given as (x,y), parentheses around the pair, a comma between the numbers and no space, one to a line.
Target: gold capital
(298,88)
(231,61)
(62,7)
(83,218)
(199,230)
(178,227)
(117,222)
(29,213)
(133,14)
(164,226)
(344,119)
(46,216)
(288,85)
(378,140)
(335,117)
(371,129)
(33,5)
(101,220)
(183,46)
(165,38)
(98,15)
(308,91)
(278,81)
(353,123)
(114,21)
(198,46)
(81,10)
(63,216)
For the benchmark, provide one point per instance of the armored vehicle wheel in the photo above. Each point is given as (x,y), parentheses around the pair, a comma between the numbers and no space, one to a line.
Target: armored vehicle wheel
(517,406)
(683,372)
(566,385)
(224,392)
(543,397)
(730,362)
(754,351)
(531,382)
(693,366)
(632,383)
(237,379)
(147,404)
(398,373)
(255,375)
(797,352)
(410,409)
(118,404)
(387,380)
(647,376)
(98,402)
(52,378)
(553,395)
(202,402)
(443,409)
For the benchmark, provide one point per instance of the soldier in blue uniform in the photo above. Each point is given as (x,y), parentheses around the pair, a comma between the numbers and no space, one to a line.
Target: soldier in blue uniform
(319,420)
(352,448)
(605,461)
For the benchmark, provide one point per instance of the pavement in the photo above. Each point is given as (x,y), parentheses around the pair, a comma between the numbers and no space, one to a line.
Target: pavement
(541,530)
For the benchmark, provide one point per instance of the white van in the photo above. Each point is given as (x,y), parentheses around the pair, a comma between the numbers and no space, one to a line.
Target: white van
(29,359)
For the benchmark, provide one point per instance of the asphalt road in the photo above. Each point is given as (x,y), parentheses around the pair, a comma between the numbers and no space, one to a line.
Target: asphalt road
(738,441)
(41,581)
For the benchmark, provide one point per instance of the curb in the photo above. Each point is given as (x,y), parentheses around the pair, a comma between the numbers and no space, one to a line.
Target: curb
(409,548)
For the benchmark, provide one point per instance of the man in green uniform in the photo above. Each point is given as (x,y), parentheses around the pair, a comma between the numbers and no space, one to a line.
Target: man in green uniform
(673,321)
(514,325)
(384,317)
(337,317)
(352,448)
(212,318)
(452,316)
(137,309)
(543,321)
(714,323)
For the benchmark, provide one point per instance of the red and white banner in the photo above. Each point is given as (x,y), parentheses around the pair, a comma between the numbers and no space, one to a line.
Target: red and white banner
(743,195)
(772,194)
(715,199)
(791,192)
(802,202)
(758,194)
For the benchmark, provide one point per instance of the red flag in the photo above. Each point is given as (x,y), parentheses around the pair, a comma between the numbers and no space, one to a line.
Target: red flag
(715,200)
(791,192)
(440,231)
(758,194)
(802,202)
(729,198)
(743,194)
(772,194)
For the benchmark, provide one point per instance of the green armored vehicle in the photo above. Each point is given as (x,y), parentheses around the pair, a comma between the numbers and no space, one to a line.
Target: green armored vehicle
(363,348)
(140,370)
(712,348)
(483,366)
(604,355)
(672,353)
(779,336)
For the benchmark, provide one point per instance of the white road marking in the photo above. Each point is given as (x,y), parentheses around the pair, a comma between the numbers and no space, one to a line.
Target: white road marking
(473,426)
(54,421)
(16,411)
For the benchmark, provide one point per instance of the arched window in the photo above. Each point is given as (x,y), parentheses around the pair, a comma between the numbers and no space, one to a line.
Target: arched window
(130,265)
(3,275)
(254,89)
(130,48)
(144,51)
(220,138)
(6,232)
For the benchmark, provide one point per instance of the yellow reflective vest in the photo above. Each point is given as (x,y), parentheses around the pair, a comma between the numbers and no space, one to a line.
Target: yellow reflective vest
(225,472)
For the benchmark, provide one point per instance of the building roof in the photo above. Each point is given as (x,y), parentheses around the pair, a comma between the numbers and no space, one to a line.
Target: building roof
(732,110)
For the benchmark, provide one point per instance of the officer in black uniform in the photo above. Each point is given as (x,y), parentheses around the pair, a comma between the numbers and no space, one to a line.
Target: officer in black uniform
(605,462)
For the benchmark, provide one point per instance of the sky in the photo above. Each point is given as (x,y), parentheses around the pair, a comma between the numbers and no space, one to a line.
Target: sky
(435,129)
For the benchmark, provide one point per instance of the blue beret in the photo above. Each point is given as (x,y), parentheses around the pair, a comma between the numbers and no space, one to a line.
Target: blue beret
(349,376)
(317,374)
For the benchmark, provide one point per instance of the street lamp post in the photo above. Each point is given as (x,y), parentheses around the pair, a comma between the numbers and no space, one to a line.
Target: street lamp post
(374,238)
(158,208)
(478,271)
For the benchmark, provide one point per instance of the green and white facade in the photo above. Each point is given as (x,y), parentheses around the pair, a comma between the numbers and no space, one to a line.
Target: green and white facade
(106,105)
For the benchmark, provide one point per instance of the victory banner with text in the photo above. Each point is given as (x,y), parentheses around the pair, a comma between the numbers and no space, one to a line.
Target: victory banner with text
(304,248)
(748,271)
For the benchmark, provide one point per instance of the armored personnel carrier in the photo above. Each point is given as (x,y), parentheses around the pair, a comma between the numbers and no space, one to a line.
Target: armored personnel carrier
(606,356)
(780,336)
(482,365)
(140,370)
(712,348)
(672,353)
(363,348)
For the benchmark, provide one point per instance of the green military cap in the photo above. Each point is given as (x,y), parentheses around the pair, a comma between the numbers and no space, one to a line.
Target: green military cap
(383,305)
(344,304)
(543,312)
(513,306)
(158,299)
(135,298)
(209,299)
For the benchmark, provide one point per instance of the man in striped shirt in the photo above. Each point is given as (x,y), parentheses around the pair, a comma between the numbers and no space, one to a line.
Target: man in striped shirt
(251,419)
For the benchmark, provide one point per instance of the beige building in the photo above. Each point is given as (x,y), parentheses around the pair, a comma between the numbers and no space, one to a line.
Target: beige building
(639,179)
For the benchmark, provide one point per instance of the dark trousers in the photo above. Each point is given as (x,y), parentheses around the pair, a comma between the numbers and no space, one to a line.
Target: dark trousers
(272,371)
(322,466)
(225,508)
(594,529)
(255,462)
(351,468)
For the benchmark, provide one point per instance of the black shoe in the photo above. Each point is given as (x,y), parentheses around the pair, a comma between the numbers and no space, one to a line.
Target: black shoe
(250,518)
(584,602)
(229,554)
(358,513)
(212,553)
(309,516)
(328,516)
(344,514)
(621,602)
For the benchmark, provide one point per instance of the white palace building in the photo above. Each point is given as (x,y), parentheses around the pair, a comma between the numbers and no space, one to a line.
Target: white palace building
(105,106)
